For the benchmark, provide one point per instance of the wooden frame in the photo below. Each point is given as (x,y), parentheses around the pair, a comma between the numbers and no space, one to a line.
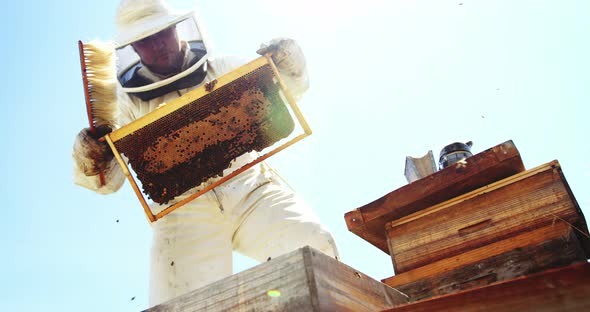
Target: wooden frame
(176,104)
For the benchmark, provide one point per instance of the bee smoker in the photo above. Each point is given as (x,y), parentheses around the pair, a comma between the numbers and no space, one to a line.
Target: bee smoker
(453,153)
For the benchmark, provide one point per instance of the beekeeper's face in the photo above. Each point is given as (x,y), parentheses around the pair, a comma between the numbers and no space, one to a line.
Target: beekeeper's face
(161,52)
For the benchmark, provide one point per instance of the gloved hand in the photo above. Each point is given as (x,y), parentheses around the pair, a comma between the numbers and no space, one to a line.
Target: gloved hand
(92,155)
(287,56)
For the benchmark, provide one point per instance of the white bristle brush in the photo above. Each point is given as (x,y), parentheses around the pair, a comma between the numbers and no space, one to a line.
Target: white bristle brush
(97,59)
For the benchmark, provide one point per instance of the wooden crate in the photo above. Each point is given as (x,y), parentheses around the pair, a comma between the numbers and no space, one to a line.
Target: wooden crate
(486,167)
(544,248)
(304,280)
(556,290)
(518,204)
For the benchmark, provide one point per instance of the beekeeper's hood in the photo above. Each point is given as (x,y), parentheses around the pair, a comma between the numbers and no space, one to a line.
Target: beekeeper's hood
(139,19)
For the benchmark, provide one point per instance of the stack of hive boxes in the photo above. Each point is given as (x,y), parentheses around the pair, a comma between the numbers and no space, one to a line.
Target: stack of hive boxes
(475,224)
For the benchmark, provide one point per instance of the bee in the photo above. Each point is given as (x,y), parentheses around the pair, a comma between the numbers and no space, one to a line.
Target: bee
(210,85)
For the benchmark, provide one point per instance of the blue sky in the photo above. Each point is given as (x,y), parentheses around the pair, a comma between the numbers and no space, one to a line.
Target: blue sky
(389,79)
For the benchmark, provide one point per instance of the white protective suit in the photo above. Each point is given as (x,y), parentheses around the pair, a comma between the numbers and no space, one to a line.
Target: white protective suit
(254,213)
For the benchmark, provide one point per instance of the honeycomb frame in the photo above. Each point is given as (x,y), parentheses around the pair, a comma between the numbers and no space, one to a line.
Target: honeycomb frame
(257,126)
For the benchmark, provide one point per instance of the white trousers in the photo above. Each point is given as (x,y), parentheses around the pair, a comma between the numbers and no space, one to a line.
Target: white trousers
(254,213)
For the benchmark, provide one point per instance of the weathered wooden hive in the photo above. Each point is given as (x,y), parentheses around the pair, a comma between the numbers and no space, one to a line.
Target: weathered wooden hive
(483,235)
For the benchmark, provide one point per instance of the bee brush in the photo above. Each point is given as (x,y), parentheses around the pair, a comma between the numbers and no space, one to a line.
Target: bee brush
(98,75)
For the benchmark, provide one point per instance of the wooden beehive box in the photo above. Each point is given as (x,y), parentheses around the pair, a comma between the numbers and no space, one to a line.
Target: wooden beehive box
(556,290)
(526,223)
(484,168)
(304,280)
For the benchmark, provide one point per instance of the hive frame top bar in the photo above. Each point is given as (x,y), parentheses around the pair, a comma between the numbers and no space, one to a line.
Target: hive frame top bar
(189,97)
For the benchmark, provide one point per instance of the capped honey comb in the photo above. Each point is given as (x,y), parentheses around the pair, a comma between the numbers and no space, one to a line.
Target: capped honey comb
(196,142)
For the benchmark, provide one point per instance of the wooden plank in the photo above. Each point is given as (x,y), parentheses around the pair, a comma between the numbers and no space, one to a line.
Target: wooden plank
(556,290)
(486,167)
(303,280)
(523,202)
(535,251)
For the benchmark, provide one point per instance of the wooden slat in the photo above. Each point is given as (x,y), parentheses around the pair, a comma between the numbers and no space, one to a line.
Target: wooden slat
(482,169)
(535,251)
(523,202)
(556,290)
(306,279)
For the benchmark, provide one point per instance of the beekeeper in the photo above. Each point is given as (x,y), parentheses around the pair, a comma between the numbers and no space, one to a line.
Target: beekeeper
(161,55)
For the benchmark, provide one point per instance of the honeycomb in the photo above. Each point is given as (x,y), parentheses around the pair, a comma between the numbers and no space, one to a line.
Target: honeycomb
(198,141)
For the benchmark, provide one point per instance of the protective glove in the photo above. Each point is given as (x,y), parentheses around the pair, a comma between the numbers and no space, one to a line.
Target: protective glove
(290,61)
(91,155)
(287,56)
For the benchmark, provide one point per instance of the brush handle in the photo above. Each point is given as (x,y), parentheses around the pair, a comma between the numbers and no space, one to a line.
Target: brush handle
(88,100)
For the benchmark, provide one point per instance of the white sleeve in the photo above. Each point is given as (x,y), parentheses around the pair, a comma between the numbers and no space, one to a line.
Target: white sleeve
(127,109)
